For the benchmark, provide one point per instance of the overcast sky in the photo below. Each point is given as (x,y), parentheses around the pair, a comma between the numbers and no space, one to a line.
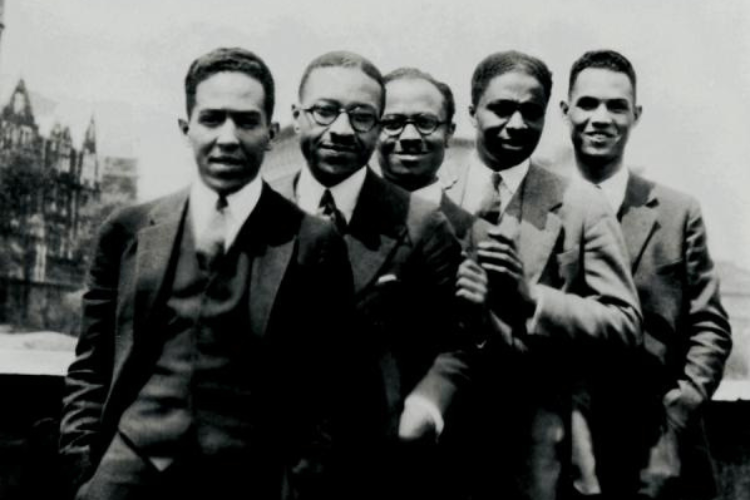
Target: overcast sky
(124,60)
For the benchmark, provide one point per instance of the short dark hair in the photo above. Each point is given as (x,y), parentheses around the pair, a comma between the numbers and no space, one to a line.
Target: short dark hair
(230,59)
(602,59)
(449,103)
(500,63)
(344,59)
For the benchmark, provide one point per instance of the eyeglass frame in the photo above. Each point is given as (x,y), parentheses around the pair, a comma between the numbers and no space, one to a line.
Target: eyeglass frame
(410,119)
(311,111)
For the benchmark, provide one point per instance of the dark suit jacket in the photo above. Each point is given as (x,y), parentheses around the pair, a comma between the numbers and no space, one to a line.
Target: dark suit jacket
(404,258)
(300,289)
(460,220)
(572,249)
(687,333)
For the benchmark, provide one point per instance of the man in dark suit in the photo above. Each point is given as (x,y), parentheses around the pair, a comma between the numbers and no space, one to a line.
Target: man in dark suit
(416,129)
(687,335)
(404,258)
(550,265)
(205,363)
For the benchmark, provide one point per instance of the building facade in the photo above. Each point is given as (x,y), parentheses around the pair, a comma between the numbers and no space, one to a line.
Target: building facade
(44,183)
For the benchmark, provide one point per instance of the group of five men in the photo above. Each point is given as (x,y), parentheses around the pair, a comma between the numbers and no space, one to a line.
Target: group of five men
(501,331)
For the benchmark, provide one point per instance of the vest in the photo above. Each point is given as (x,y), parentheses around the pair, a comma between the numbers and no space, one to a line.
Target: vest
(201,392)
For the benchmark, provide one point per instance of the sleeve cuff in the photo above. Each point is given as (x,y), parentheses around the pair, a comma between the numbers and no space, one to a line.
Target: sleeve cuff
(533,321)
(417,401)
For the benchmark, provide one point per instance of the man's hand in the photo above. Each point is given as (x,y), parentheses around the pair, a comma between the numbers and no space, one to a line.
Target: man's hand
(417,424)
(472,283)
(509,291)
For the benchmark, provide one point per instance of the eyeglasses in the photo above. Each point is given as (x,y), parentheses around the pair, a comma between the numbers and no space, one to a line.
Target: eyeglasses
(393,125)
(361,119)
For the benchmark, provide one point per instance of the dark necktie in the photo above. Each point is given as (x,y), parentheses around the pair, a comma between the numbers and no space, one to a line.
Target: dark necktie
(211,244)
(328,209)
(491,206)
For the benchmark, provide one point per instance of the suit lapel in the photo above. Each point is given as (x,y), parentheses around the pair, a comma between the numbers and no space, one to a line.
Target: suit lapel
(638,216)
(273,246)
(530,220)
(540,195)
(156,244)
(453,181)
(373,230)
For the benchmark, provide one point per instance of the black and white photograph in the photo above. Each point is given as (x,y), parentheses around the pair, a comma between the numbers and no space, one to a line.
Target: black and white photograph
(388,249)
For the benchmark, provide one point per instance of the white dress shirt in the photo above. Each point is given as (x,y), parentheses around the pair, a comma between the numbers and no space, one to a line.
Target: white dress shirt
(240,205)
(614,188)
(309,191)
(432,193)
(479,177)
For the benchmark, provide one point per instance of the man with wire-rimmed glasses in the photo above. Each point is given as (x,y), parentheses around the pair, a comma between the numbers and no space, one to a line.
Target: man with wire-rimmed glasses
(416,129)
(404,259)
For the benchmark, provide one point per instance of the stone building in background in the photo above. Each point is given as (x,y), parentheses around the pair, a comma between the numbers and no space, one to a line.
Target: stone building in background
(54,191)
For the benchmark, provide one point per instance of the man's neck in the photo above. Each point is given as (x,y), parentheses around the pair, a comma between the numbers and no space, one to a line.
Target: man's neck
(496,164)
(597,172)
(330,181)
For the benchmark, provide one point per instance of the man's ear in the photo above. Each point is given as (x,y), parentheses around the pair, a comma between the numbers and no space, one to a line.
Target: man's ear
(296,110)
(450,130)
(183,124)
(273,132)
(638,111)
(473,115)
(564,108)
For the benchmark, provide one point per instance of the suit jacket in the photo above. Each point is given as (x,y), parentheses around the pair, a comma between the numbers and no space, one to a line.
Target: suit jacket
(404,258)
(687,334)
(299,265)
(460,220)
(573,251)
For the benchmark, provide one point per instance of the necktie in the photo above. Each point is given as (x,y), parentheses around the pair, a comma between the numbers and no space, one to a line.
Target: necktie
(491,206)
(328,209)
(211,243)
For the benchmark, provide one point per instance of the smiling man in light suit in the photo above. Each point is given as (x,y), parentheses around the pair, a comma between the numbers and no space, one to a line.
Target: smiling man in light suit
(550,267)
(687,332)
(210,321)
(404,258)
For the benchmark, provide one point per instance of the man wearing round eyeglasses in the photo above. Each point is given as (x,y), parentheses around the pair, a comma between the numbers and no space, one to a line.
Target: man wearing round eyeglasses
(416,129)
(404,259)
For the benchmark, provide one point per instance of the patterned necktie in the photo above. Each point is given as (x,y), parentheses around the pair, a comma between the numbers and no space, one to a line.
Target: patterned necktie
(491,206)
(211,243)
(328,209)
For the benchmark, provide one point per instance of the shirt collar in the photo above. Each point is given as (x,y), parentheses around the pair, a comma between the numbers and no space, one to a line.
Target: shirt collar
(345,193)
(240,205)
(432,192)
(614,188)
(480,175)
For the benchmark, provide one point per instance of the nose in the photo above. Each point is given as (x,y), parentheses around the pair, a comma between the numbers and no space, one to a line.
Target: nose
(516,121)
(600,115)
(341,125)
(410,133)
(227,135)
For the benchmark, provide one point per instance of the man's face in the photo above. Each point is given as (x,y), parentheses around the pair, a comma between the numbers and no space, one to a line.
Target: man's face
(509,119)
(411,159)
(228,130)
(601,113)
(336,151)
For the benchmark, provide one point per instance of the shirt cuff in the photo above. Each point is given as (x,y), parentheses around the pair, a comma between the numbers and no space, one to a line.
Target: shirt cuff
(427,406)
(533,321)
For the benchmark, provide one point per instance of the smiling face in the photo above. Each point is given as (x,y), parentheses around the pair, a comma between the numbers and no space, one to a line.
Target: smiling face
(411,159)
(228,130)
(601,113)
(334,152)
(509,119)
